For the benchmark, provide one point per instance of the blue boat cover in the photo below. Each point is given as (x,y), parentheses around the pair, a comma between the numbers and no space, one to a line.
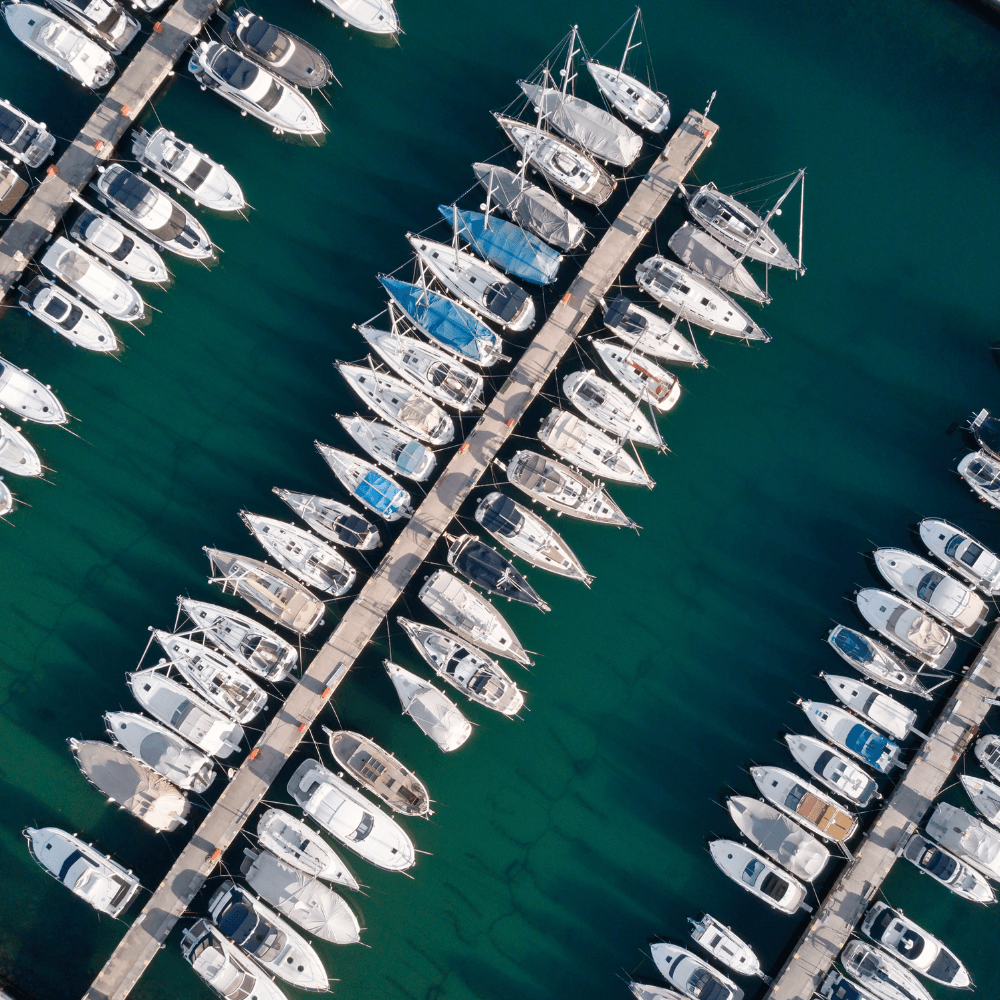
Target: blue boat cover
(379,493)
(854,645)
(410,457)
(866,742)
(443,320)
(506,245)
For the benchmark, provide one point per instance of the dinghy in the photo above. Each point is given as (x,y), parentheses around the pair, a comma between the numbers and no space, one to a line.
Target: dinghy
(805,803)
(967,837)
(881,973)
(875,661)
(380,494)
(832,769)
(120,247)
(437,715)
(26,140)
(889,715)
(639,375)
(484,566)
(333,520)
(157,747)
(960,552)
(223,967)
(758,876)
(778,837)
(610,409)
(379,771)
(981,473)
(651,334)
(24,395)
(88,277)
(846,731)
(278,50)
(104,20)
(911,630)
(296,843)
(704,254)
(725,946)
(686,972)
(17,455)
(391,448)
(945,868)
(70,317)
(590,449)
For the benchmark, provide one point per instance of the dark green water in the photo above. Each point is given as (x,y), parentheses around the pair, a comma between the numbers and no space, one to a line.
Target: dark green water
(562,841)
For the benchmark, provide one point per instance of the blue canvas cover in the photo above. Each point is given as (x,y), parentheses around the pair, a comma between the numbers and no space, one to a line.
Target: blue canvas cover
(506,245)
(410,457)
(867,743)
(379,493)
(854,645)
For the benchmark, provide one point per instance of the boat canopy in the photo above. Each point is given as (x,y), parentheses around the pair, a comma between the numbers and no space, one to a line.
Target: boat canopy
(617,315)
(381,494)
(867,743)
(715,261)
(503,517)
(482,565)
(410,456)
(854,645)
(536,475)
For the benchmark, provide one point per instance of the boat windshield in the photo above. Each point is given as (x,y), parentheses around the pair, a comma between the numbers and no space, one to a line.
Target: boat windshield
(752,871)
(951,547)
(364,827)
(985,474)
(774,886)
(938,864)
(10,125)
(925,589)
(971,554)
(794,797)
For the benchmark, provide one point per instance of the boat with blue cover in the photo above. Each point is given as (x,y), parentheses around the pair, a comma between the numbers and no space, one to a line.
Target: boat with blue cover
(438,317)
(379,493)
(875,661)
(847,731)
(506,245)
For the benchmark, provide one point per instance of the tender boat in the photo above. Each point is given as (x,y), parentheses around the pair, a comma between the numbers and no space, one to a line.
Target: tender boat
(837,986)
(104,20)
(985,797)
(889,715)
(758,876)
(639,375)
(879,972)
(703,253)
(391,448)
(268,590)
(12,186)
(153,212)
(223,967)
(845,730)
(696,299)
(590,449)
(26,140)
(694,978)
(506,245)
(922,583)
(480,678)
(472,617)
(215,677)
(609,408)
(24,395)
(559,162)
(875,661)
(190,171)
(119,247)
(559,488)
(805,803)
(377,16)
(313,561)
(285,54)
(94,877)
(296,843)
(452,326)
(526,535)
(313,906)
(476,284)
(380,494)
(127,782)
(17,455)
(967,837)
(255,90)
(437,715)
(185,712)
(59,43)
(738,227)
(266,938)
(725,946)
(651,334)
(988,754)
(982,474)
(911,630)
(68,316)
(778,837)
(88,277)
(333,520)
(252,646)
(357,823)
(948,870)
(832,769)
(960,552)
(398,403)
(157,747)
(484,566)
(531,207)
(379,771)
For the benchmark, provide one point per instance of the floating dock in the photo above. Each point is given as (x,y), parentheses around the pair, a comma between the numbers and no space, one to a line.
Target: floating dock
(369,609)
(115,115)
(956,727)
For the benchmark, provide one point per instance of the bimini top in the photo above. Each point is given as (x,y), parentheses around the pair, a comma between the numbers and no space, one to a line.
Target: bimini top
(381,494)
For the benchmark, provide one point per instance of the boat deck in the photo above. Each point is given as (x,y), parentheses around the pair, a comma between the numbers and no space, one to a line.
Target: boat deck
(398,567)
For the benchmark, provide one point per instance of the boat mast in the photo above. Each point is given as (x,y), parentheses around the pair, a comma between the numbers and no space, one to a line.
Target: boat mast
(567,73)
(628,45)
(454,230)
(486,207)
(802,212)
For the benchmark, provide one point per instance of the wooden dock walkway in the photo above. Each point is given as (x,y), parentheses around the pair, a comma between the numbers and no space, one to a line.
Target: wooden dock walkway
(129,95)
(367,612)
(847,901)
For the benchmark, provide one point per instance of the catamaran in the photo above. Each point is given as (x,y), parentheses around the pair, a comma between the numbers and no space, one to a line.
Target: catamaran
(391,448)
(68,316)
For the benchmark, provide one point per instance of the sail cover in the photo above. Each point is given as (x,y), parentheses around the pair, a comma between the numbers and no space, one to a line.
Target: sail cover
(856,646)
(502,517)
(590,127)
(709,257)
(381,494)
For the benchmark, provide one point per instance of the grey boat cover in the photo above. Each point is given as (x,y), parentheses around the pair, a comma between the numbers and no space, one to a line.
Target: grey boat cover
(530,206)
(590,127)
(706,255)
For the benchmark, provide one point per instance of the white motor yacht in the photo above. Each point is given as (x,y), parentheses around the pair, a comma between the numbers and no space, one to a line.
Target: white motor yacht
(590,449)
(87,276)
(252,646)
(223,967)
(725,946)
(437,715)
(26,140)
(653,991)
(333,520)
(295,842)
(982,474)
(651,334)
(753,872)
(985,797)
(391,448)
(891,716)
(813,808)
(24,395)
(778,837)
(987,752)
(694,298)
(376,16)
(185,712)
(875,661)
(379,493)
(832,769)
(355,821)
(104,20)
(70,317)
(967,837)
(846,730)
(960,552)
(910,629)
(880,973)
(268,590)
(190,171)
(687,973)
(162,750)
(254,89)
(945,868)
(479,677)
(119,247)
(471,616)
(60,43)
(837,986)
(640,375)
(17,454)
(6,499)
(379,772)
(610,409)
(85,871)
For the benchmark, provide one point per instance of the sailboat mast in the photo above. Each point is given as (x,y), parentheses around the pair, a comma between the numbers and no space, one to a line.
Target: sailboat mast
(628,44)
(489,199)
(802,212)
(570,53)
(454,230)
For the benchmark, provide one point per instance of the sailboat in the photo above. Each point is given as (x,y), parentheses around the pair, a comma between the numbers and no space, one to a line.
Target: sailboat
(397,451)
(703,253)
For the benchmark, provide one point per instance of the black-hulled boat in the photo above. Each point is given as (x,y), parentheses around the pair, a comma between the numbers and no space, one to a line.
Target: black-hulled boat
(486,568)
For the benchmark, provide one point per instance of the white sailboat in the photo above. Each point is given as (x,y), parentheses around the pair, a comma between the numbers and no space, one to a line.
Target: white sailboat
(437,715)
(590,449)
(391,448)
(380,494)
(639,375)
(610,409)
(335,521)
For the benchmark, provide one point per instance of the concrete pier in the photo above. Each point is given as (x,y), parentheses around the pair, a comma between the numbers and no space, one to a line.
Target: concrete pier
(369,609)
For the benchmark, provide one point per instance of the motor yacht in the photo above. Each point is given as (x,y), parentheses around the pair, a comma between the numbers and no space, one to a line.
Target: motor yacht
(945,868)
(28,142)
(391,448)
(753,872)
(333,520)
(875,661)
(380,494)
(653,991)
(119,247)
(88,277)
(284,54)
(377,16)
(985,797)
(17,454)
(296,843)
(880,973)
(705,255)
(960,552)
(832,769)
(846,731)
(725,946)
(880,710)
(104,20)
(987,752)
(437,715)
(687,973)
(610,409)
(24,395)
(910,629)
(640,375)
(12,186)
(805,803)
(837,986)
(70,317)
(651,334)
(967,837)
(778,837)
(223,967)
(484,566)
(981,472)
(590,449)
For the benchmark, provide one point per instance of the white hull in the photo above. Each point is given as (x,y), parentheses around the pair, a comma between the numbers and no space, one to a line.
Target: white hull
(119,247)
(89,278)
(223,967)
(335,521)
(832,769)
(782,840)
(639,375)
(437,715)
(962,554)
(25,396)
(590,449)
(157,747)
(610,409)
(68,316)
(392,449)
(651,334)
(637,102)
(907,627)
(378,17)
(379,493)
(880,710)
(875,661)
(296,843)
(806,804)
(17,455)
(780,891)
